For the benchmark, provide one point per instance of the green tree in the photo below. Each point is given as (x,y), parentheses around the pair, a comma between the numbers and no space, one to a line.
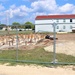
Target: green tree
(29,25)
(16,24)
(2,25)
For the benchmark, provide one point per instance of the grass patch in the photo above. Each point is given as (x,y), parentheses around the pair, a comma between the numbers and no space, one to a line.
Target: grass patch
(35,56)
(14,32)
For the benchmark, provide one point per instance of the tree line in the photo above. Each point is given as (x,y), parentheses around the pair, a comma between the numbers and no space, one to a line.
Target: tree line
(26,25)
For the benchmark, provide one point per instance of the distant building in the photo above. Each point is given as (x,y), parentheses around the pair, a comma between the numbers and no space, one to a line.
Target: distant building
(65,23)
(6,28)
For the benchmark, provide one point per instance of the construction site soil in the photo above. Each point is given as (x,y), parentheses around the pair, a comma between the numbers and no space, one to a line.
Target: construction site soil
(62,38)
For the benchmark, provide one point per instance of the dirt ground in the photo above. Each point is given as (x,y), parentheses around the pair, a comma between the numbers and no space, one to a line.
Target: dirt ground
(65,39)
(66,36)
(62,38)
(36,70)
(65,44)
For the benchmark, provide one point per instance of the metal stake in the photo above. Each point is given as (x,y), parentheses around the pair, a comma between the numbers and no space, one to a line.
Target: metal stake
(16,43)
(54,43)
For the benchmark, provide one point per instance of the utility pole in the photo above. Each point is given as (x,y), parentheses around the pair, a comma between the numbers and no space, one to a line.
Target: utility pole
(7,18)
(7,22)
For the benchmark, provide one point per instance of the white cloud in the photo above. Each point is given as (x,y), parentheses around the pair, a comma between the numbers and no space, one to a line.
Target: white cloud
(66,8)
(1,7)
(37,13)
(13,6)
(20,11)
(44,5)
(1,14)
(30,0)
(25,9)
(32,17)
(37,7)
(73,12)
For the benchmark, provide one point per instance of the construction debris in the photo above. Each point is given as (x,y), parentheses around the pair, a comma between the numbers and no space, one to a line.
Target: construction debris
(50,37)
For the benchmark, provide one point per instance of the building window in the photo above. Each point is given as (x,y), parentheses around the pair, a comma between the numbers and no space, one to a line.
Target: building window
(57,27)
(70,27)
(64,27)
(64,20)
(70,20)
(57,20)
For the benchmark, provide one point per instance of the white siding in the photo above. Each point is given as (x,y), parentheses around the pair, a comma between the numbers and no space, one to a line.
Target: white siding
(42,21)
(66,29)
(46,25)
(43,28)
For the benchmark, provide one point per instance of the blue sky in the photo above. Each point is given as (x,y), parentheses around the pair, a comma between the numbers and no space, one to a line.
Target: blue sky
(26,10)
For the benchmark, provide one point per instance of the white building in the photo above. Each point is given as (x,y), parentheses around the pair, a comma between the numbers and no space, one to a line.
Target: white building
(7,28)
(64,23)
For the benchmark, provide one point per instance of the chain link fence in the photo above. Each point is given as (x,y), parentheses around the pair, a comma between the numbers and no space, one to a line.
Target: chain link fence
(24,45)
